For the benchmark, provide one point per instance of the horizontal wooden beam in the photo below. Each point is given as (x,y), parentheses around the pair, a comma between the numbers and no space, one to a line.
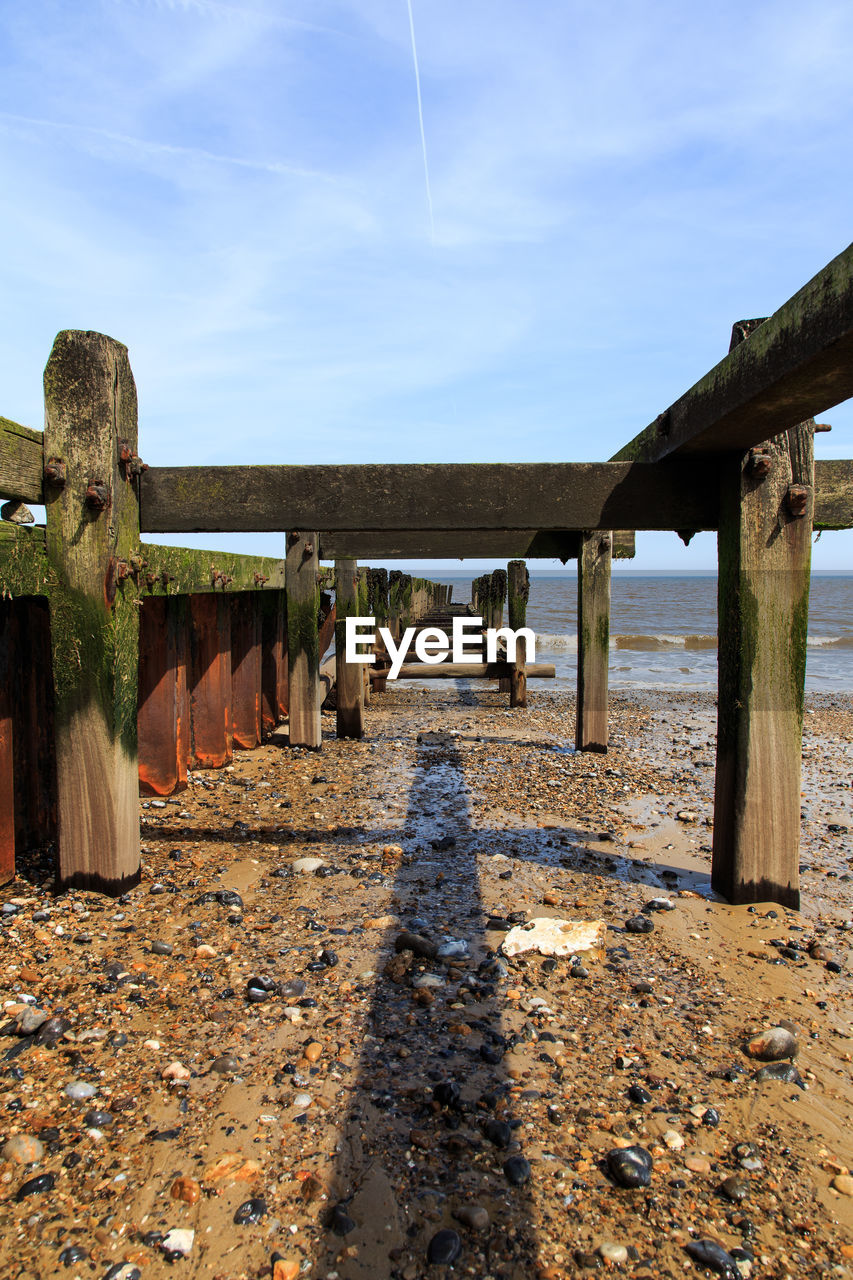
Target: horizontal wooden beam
(443,544)
(187,571)
(21,462)
(468,671)
(794,366)
(833,481)
(449,496)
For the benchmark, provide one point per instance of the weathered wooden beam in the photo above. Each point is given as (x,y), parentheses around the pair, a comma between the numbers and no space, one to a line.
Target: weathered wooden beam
(833,505)
(163,717)
(92,523)
(448,496)
(518,593)
(246,670)
(591,730)
(7,757)
(303,604)
(273,659)
(793,366)
(764,548)
(33,725)
(349,682)
(187,571)
(465,544)
(211,736)
(21,462)
(470,671)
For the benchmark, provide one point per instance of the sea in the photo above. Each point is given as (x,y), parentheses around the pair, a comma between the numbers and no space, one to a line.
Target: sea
(663,628)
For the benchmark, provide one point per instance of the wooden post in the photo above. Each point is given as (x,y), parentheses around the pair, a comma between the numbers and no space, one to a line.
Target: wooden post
(273,659)
(348,675)
(163,716)
(594,560)
(93,526)
(33,729)
(303,606)
(246,669)
(518,592)
(363,590)
(764,550)
(7,760)
(210,681)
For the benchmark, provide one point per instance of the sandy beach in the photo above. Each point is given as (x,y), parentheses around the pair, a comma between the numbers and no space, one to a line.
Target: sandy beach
(257,1065)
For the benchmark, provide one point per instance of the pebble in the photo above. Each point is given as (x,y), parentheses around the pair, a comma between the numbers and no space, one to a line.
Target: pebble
(293,990)
(710,1254)
(734,1188)
(473,1216)
(175,1071)
(307,866)
(312,1051)
(843,1183)
(673,1140)
(444,1248)
(73,1253)
(615,1253)
(639,924)
(517,1171)
(250,1212)
(162,948)
(340,1222)
(630,1166)
(417,944)
(186,1189)
(29,1020)
(285,1268)
(36,1186)
(23,1148)
(227,1064)
(96,1119)
(302,1101)
(80,1091)
(178,1242)
(773,1045)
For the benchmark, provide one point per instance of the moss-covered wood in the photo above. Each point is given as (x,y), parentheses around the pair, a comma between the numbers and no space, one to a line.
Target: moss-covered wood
(349,680)
(7,758)
(594,561)
(518,593)
(187,571)
(92,524)
(21,461)
(303,607)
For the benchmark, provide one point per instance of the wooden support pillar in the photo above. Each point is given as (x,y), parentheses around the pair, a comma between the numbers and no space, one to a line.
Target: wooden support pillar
(246,669)
(594,560)
(349,679)
(364,612)
(164,713)
(326,631)
(212,738)
(273,659)
(92,527)
(33,724)
(7,759)
(303,606)
(518,593)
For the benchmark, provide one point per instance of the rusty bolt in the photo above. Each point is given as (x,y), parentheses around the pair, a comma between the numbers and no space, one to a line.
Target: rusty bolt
(260,579)
(125,453)
(137,466)
(150,579)
(54,472)
(123,570)
(822,426)
(759,464)
(98,496)
(309,550)
(797,499)
(166,577)
(137,563)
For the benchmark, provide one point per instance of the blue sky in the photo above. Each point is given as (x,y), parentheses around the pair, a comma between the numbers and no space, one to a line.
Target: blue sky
(237,191)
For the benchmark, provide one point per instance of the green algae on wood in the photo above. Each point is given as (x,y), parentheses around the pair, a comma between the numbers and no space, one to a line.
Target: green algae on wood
(594,565)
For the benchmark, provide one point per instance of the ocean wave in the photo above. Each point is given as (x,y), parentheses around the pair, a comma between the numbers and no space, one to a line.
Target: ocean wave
(664,641)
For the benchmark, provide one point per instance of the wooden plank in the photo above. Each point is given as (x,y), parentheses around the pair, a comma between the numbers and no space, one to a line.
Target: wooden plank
(793,366)
(7,757)
(163,716)
(303,605)
(518,593)
(472,671)
(246,670)
(833,505)
(326,631)
(349,709)
(211,734)
(33,726)
(436,496)
(21,462)
(187,571)
(273,659)
(92,523)
(593,641)
(763,598)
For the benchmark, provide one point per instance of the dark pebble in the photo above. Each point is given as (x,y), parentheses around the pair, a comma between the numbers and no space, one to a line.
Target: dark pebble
(36,1186)
(492,1053)
(785,1072)
(124,1270)
(259,988)
(517,1171)
(97,1119)
(162,948)
(340,1222)
(73,1253)
(226,1064)
(710,1254)
(639,1095)
(50,1032)
(711,1118)
(639,924)
(328,958)
(630,1166)
(444,1248)
(734,1189)
(250,1212)
(498,1133)
(415,943)
(447,1093)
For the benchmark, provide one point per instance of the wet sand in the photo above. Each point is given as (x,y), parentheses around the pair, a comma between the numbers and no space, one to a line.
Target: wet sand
(379,1106)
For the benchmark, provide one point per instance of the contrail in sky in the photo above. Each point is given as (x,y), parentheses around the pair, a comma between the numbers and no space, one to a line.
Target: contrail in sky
(421,119)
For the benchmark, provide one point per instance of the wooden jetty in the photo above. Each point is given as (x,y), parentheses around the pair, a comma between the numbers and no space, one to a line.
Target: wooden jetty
(122,662)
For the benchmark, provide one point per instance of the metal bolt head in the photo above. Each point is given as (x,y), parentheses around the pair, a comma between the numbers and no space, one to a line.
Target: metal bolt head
(55,473)
(98,497)
(759,464)
(797,499)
